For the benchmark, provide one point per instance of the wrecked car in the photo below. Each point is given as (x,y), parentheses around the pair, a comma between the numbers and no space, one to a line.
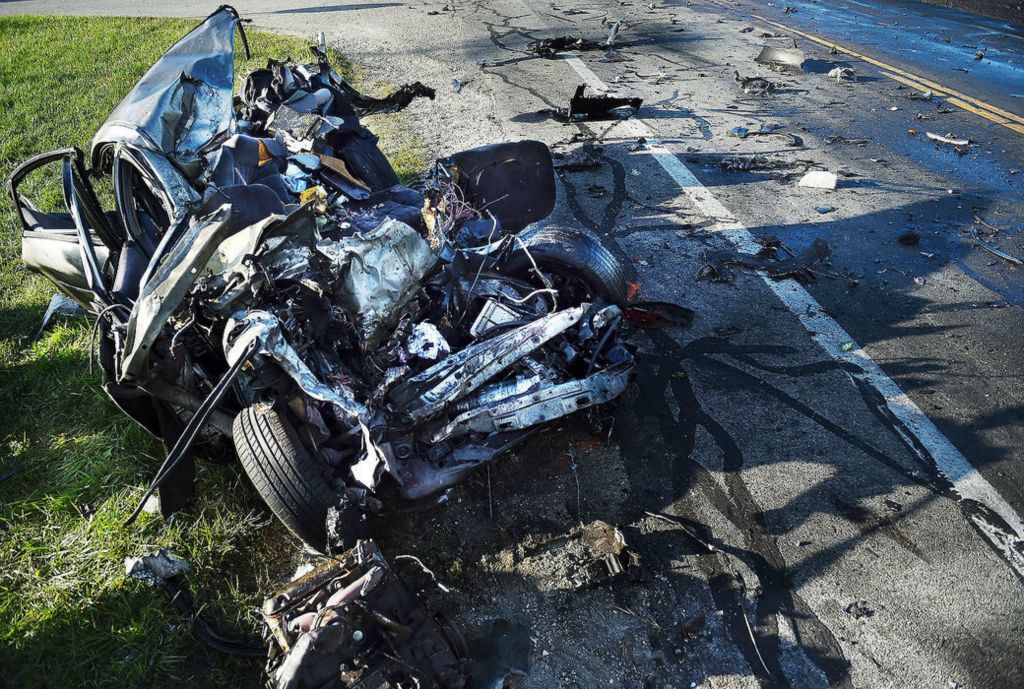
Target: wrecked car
(264,283)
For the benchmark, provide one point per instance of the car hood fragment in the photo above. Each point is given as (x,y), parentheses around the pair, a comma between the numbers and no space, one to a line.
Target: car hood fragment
(183,104)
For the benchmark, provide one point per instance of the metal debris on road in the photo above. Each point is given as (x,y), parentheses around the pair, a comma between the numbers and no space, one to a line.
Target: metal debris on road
(949,139)
(794,141)
(613,33)
(994,250)
(754,86)
(756,164)
(799,267)
(551,47)
(601,106)
(781,59)
(844,140)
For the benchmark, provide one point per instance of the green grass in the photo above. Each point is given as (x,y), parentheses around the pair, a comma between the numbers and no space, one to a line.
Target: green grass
(68,616)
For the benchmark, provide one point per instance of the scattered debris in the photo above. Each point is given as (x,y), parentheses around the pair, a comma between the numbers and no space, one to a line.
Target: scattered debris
(754,86)
(60,306)
(352,622)
(859,609)
(782,59)
(551,47)
(586,157)
(995,251)
(156,567)
(589,555)
(163,569)
(842,74)
(601,106)
(613,33)
(658,314)
(717,262)
(949,139)
(825,210)
(755,163)
(843,140)
(819,179)
(794,141)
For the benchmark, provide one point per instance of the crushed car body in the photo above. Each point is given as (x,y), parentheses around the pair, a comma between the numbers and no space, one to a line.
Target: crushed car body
(265,282)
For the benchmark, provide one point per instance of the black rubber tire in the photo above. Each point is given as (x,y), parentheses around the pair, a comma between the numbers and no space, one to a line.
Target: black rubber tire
(366,162)
(283,473)
(577,252)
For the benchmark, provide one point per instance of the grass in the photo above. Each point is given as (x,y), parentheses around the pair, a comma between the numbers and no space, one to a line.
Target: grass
(72,466)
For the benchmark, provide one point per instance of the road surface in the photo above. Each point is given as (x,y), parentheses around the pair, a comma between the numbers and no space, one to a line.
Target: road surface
(824,483)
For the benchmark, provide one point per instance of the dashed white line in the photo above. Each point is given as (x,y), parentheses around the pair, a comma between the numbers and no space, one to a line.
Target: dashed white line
(917,429)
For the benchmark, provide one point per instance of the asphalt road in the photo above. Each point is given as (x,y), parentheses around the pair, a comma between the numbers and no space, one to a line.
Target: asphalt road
(851,451)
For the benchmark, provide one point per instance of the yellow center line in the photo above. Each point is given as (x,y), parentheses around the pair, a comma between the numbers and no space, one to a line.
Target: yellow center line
(953,100)
(960,100)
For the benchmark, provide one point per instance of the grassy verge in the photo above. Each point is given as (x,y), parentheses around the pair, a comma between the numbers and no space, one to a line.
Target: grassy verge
(71,466)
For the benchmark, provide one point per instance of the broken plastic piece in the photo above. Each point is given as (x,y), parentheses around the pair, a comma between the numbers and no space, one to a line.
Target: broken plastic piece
(156,567)
(583,107)
(842,74)
(819,179)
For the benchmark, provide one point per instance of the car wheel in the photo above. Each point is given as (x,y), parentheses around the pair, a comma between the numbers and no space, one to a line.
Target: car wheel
(283,473)
(573,253)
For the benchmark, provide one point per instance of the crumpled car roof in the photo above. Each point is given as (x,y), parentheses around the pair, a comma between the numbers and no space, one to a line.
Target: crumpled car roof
(183,104)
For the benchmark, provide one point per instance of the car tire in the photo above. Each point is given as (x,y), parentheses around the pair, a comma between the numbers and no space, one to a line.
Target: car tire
(368,163)
(575,252)
(283,473)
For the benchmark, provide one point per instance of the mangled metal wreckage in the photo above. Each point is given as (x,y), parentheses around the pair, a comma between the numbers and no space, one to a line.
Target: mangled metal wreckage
(263,281)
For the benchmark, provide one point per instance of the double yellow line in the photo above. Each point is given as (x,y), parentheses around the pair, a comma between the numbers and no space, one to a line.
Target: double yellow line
(952,96)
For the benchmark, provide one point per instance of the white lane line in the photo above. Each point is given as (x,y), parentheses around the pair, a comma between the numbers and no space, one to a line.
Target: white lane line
(830,336)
